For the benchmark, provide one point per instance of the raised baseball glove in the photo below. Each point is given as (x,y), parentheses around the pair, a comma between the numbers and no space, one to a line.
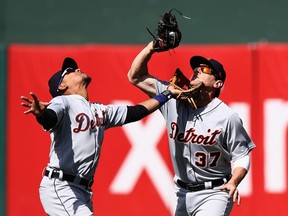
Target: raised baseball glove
(182,83)
(167,35)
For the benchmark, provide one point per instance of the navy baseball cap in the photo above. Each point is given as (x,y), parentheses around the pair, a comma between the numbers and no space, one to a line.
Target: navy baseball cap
(55,80)
(217,68)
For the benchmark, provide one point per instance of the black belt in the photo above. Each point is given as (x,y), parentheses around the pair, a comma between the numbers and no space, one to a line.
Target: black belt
(203,186)
(68,177)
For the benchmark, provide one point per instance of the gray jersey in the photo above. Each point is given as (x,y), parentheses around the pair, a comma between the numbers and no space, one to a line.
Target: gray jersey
(78,135)
(203,142)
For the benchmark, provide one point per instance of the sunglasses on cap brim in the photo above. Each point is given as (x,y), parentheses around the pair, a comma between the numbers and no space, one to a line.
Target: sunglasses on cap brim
(204,69)
(66,71)
(207,70)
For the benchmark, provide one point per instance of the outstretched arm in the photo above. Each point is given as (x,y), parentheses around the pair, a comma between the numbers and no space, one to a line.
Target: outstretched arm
(46,117)
(139,75)
(35,106)
(144,108)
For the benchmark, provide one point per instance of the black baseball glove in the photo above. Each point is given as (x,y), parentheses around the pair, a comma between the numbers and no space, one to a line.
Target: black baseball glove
(168,35)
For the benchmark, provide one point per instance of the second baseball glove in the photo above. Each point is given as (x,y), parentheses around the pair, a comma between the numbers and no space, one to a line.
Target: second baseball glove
(182,83)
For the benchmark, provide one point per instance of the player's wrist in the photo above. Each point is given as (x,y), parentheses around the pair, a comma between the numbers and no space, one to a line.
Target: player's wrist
(163,97)
(40,113)
(150,48)
(168,94)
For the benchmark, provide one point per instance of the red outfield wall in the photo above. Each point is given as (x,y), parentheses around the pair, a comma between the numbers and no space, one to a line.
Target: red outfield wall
(134,176)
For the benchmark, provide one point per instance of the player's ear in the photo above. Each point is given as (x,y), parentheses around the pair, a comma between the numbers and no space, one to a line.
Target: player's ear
(62,87)
(218,84)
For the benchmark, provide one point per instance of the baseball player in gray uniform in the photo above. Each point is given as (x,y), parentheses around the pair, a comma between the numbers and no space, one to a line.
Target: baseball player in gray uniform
(203,140)
(77,127)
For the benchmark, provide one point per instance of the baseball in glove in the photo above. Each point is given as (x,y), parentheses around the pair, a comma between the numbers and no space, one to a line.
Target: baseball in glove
(167,35)
(188,93)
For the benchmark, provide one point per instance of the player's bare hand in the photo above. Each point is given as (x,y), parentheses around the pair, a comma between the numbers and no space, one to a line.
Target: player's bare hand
(233,192)
(174,90)
(35,106)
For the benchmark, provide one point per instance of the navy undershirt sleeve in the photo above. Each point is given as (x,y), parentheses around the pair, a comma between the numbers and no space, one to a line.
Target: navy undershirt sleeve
(135,113)
(48,119)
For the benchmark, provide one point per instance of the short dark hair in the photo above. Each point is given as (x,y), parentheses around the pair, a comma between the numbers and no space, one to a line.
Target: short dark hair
(217,92)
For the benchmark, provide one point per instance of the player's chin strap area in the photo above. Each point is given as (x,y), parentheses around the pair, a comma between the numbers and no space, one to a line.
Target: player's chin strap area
(202,186)
(64,176)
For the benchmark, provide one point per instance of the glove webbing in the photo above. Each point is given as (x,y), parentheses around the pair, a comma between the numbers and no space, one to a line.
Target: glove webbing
(186,94)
